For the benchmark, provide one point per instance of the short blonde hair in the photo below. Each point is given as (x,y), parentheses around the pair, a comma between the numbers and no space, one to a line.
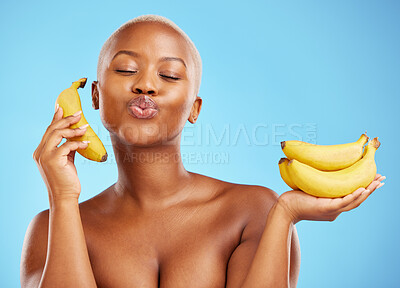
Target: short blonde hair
(162,20)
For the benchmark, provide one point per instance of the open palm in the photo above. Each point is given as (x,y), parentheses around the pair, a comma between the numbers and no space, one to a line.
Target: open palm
(302,206)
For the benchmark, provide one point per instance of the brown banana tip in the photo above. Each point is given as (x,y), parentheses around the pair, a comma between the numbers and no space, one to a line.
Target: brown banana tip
(375,143)
(82,82)
(282,160)
(283,143)
(104,158)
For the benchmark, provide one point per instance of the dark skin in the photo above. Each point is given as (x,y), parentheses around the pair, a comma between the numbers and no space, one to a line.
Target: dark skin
(159,225)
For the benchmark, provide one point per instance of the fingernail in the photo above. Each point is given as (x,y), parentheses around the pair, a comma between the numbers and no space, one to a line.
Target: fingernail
(86,141)
(77,113)
(83,126)
(57,106)
(383,177)
(380,185)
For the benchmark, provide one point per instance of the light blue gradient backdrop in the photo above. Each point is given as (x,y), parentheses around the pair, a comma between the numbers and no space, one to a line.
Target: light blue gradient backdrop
(321,71)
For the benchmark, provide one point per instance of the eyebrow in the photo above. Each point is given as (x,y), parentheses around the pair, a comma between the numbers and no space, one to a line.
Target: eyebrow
(134,54)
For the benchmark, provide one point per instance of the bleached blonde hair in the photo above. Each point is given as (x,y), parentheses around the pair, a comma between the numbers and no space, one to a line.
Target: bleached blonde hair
(162,20)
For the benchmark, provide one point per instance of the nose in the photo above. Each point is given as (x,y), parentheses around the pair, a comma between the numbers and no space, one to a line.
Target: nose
(145,84)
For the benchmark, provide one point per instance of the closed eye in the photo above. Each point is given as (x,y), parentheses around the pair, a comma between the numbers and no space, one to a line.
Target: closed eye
(134,72)
(170,77)
(126,71)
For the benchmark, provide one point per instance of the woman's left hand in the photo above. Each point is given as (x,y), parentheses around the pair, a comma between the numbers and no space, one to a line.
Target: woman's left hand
(302,206)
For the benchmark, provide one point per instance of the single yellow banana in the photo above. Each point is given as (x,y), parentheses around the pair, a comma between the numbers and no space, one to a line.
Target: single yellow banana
(338,183)
(325,157)
(284,174)
(70,102)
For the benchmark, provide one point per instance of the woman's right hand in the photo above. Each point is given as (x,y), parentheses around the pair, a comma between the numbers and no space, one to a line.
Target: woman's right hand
(56,164)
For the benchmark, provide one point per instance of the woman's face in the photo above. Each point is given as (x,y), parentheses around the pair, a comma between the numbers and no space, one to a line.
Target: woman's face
(156,64)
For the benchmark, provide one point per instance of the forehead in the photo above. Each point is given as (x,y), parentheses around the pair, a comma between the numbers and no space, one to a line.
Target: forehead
(152,40)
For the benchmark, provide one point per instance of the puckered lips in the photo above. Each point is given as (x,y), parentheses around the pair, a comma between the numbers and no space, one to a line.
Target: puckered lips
(142,107)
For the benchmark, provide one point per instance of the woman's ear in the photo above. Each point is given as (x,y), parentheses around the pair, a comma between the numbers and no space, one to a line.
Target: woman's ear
(196,107)
(95,95)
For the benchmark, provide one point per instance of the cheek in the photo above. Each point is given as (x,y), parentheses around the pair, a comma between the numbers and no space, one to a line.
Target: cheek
(109,109)
(178,115)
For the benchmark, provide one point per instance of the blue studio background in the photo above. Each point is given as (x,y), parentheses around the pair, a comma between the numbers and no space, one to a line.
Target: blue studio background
(318,71)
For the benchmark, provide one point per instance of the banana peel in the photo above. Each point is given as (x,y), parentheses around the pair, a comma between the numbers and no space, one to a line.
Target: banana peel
(70,102)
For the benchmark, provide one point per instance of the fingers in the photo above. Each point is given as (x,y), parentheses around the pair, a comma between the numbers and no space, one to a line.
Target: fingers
(364,195)
(58,114)
(58,122)
(377,176)
(372,186)
(57,135)
(50,151)
(357,202)
(338,204)
(70,146)
(380,179)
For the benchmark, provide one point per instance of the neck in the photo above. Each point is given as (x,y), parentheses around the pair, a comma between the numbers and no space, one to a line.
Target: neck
(151,176)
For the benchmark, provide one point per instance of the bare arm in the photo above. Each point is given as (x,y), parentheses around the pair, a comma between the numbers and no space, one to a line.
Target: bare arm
(55,252)
(266,242)
(276,260)
(271,264)
(57,235)
(67,259)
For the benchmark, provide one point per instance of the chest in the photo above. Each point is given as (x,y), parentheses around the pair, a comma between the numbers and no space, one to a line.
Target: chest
(165,251)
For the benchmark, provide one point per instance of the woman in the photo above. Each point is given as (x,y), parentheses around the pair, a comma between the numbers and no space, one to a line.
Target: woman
(159,225)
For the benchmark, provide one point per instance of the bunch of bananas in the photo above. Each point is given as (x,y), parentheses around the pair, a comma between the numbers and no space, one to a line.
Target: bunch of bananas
(70,102)
(329,170)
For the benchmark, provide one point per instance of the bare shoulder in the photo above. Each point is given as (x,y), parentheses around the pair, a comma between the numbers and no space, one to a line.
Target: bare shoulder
(252,204)
(255,195)
(254,199)
(37,231)
(249,192)
(34,250)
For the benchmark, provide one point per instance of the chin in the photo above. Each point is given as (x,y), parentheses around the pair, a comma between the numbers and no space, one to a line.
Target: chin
(144,135)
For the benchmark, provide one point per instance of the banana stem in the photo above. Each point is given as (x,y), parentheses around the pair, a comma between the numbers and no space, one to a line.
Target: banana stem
(79,84)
